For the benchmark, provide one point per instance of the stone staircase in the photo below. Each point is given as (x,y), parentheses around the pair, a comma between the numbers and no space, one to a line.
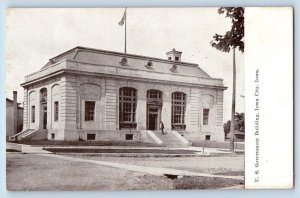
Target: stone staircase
(30,133)
(172,139)
(22,134)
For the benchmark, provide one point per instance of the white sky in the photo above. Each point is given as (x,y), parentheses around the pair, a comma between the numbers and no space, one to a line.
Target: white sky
(35,35)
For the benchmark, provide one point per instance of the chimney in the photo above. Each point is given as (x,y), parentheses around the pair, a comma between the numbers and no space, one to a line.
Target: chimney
(15,110)
(174,55)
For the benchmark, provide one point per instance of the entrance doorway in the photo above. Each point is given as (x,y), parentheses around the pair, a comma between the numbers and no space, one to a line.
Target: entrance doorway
(44,116)
(154,104)
(153,115)
(43,109)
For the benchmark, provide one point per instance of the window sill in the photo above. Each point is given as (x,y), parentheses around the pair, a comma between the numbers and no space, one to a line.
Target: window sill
(128,125)
(178,126)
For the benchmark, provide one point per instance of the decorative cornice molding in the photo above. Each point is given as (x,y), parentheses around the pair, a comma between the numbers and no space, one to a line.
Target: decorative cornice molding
(124,61)
(149,65)
(174,68)
(76,72)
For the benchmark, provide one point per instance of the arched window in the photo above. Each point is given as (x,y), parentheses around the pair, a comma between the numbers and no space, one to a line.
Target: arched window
(178,110)
(127,107)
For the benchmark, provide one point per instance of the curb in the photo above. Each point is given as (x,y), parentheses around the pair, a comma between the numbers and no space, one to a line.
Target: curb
(129,154)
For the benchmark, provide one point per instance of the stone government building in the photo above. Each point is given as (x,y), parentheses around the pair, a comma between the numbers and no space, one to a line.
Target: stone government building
(103,95)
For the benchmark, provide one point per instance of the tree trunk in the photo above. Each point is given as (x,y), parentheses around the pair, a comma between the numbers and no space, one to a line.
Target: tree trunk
(232,123)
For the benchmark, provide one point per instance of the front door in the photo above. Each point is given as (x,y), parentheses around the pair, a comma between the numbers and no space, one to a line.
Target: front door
(45,116)
(153,117)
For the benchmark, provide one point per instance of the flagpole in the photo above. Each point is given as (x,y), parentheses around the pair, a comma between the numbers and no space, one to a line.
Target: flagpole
(125,29)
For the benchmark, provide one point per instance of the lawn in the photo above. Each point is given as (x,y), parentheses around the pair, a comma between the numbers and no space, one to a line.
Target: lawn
(35,172)
(38,173)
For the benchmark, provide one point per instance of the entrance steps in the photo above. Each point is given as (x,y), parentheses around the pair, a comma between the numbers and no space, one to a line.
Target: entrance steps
(22,134)
(30,134)
(172,139)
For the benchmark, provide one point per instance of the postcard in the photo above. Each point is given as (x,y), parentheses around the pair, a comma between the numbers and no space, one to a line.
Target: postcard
(149,98)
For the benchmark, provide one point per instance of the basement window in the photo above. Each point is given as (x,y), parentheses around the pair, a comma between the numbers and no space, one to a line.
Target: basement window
(207,137)
(91,136)
(129,137)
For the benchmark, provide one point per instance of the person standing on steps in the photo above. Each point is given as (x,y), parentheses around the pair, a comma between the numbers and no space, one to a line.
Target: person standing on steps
(162,127)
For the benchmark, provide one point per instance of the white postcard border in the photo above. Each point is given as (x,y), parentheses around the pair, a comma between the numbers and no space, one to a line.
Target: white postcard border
(269,97)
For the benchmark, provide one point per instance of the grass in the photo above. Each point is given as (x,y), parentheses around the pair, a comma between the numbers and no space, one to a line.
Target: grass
(40,173)
(212,144)
(231,173)
(188,182)
(225,165)
(97,150)
(85,143)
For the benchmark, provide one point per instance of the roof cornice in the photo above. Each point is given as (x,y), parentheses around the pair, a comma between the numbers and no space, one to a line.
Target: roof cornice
(76,72)
(80,48)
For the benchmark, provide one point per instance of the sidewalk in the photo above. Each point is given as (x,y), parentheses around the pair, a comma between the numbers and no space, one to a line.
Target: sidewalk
(198,150)
(26,148)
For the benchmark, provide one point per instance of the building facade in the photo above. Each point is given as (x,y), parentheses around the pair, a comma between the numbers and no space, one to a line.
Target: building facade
(102,95)
(14,116)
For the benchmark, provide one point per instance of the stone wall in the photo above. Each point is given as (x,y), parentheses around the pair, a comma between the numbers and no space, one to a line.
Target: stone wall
(32,97)
(107,106)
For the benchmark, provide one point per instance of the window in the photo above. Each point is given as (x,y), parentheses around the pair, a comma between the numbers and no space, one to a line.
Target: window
(178,110)
(127,107)
(89,110)
(91,136)
(154,97)
(52,136)
(205,116)
(207,137)
(33,114)
(129,137)
(56,111)
(170,58)
(44,95)
(176,58)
